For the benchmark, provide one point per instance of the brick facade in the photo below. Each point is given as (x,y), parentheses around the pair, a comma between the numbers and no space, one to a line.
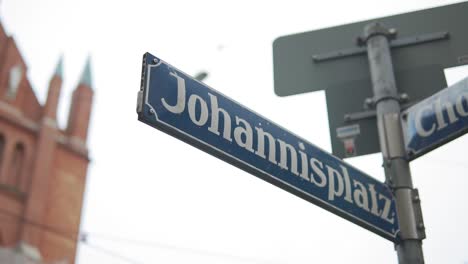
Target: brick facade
(43,168)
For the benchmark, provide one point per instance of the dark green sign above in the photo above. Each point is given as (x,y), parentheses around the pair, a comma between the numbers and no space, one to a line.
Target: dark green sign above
(296,71)
(330,59)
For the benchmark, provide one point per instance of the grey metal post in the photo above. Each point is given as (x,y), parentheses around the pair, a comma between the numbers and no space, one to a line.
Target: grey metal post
(397,171)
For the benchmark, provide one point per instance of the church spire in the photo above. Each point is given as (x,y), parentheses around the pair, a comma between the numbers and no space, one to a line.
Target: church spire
(53,95)
(80,110)
(59,68)
(86,75)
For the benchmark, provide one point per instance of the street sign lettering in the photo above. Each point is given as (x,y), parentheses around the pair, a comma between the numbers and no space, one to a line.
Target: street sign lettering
(183,107)
(437,119)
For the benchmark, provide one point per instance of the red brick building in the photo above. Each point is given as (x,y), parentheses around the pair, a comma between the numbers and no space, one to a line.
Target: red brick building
(42,168)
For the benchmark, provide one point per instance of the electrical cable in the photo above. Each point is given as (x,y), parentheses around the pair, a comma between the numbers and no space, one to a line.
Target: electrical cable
(111,253)
(152,244)
(64,235)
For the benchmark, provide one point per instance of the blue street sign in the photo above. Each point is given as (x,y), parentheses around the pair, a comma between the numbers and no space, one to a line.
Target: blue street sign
(436,120)
(185,108)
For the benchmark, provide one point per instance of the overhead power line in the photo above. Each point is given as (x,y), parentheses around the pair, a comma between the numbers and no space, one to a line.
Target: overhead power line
(84,238)
(111,253)
(201,252)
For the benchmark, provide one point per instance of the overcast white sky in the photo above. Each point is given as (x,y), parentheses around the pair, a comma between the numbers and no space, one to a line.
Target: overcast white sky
(153,199)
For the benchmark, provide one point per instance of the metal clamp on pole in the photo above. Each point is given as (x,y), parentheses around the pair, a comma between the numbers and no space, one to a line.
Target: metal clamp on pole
(376,29)
(397,172)
(413,229)
(418,213)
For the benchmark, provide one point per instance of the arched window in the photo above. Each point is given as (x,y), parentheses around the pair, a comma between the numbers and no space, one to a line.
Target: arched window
(17,163)
(16,74)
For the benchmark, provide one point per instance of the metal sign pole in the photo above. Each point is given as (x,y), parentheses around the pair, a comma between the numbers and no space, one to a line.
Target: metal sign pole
(397,172)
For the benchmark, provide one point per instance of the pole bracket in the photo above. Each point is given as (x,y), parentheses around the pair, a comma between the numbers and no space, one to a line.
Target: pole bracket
(375,29)
(371,102)
(415,230)
(369,114)
(394,166)
(395,43)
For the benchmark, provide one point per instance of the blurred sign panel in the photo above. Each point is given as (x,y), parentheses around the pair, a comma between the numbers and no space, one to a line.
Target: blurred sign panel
(295,70)
(437,119)
(187,109)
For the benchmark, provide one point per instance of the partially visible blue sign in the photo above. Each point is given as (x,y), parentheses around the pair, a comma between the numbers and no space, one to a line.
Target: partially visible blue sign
(436,120)
(185,108)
